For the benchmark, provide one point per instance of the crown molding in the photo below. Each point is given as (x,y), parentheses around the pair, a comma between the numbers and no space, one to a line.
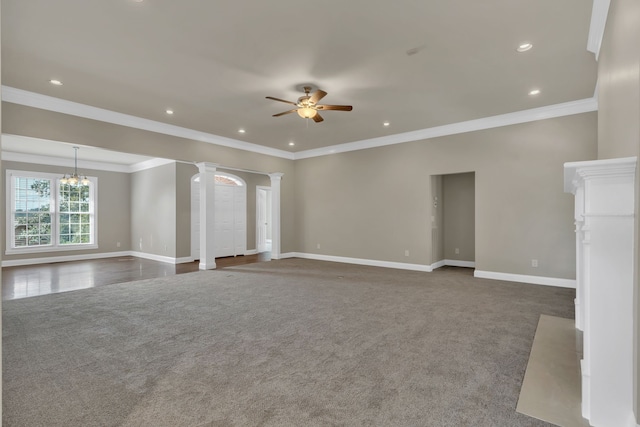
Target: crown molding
(599,14)
(149,164)
(535,114)
(45,102)
(35,100)
(62,161)
(11,156)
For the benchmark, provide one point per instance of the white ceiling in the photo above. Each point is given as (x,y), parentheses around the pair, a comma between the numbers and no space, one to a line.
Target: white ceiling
(213,62)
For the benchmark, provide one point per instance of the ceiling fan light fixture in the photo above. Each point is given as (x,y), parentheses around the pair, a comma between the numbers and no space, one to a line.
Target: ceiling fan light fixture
(307,112)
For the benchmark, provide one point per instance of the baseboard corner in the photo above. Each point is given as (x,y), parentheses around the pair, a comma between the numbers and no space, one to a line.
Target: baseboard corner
(523,278)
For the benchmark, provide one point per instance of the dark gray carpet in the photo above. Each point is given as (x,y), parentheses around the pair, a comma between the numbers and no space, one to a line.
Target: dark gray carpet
(283,343)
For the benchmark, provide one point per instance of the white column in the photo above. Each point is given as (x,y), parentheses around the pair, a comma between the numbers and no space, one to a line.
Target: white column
(275,214)
(207,215)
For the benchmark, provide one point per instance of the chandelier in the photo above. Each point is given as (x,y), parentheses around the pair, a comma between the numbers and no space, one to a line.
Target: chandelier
(74,178)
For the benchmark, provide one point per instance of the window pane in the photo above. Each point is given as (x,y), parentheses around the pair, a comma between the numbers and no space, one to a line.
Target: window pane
(31,201)
(34,220)
(73,200)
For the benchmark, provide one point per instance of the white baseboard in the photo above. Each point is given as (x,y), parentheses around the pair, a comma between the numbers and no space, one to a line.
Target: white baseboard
(453,263)
(64,258)
(286,255)
(161,258)
(359,261)
(84,257)
(535,280)
(460,263)
(437,264)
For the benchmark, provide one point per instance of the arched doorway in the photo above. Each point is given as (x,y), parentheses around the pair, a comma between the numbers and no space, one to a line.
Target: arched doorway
(230,215)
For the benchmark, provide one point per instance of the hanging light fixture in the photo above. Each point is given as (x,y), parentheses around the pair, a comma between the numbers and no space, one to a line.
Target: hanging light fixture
(74,178)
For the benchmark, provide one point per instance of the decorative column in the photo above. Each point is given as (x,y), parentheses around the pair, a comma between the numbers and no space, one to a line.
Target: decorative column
(207,215)
(605,210)
(275,214)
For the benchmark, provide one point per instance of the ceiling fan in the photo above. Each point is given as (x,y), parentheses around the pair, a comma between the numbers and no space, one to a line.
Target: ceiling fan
(307,105)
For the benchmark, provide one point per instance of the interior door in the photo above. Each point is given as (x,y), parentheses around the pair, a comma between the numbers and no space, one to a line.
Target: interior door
(230,220)
(224,221)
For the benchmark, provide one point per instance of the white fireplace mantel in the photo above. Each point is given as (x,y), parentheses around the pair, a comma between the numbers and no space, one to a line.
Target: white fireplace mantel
(604,219)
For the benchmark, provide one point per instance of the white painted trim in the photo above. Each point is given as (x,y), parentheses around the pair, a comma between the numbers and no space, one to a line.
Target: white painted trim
(532,115)
(149,164)
(36,100)
(574,172)
(60,161)
(599,14)
(460,263)
(65,258)
(183,260)
(360,261)
(288,255)
(251,252)
(453,263)
(535,280)
(86,164)
(438,264)
(160,258)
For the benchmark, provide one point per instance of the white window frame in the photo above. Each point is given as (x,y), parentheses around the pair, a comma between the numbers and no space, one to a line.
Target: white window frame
(55,245)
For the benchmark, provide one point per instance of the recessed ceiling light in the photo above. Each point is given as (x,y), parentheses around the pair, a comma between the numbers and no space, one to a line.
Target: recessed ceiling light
(55,82)
(169,112)
(386,124)
(241,131)
(534,92)
(524,47)
(292,143)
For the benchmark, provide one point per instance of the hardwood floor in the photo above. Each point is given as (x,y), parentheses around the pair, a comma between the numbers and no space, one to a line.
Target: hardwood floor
(43,279)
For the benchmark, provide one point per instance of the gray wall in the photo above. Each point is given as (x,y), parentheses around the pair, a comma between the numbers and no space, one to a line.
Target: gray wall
(27,121)
(153,210)
(114,206)
(184,172)
(619,112)
(437,219)
(376,203)
(459,216)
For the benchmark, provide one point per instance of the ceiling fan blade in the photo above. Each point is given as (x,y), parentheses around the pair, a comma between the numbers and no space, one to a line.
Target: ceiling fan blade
(317,118)
(286,112)
(317,96)
(281,100)
(335,107)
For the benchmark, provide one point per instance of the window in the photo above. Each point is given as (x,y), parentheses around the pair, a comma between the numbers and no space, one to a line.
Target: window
(45,215)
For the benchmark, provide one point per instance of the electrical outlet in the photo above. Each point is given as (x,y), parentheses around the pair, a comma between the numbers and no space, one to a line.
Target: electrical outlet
(117,244)
(457,251)
(318,246)
(406,252)
(534,263)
